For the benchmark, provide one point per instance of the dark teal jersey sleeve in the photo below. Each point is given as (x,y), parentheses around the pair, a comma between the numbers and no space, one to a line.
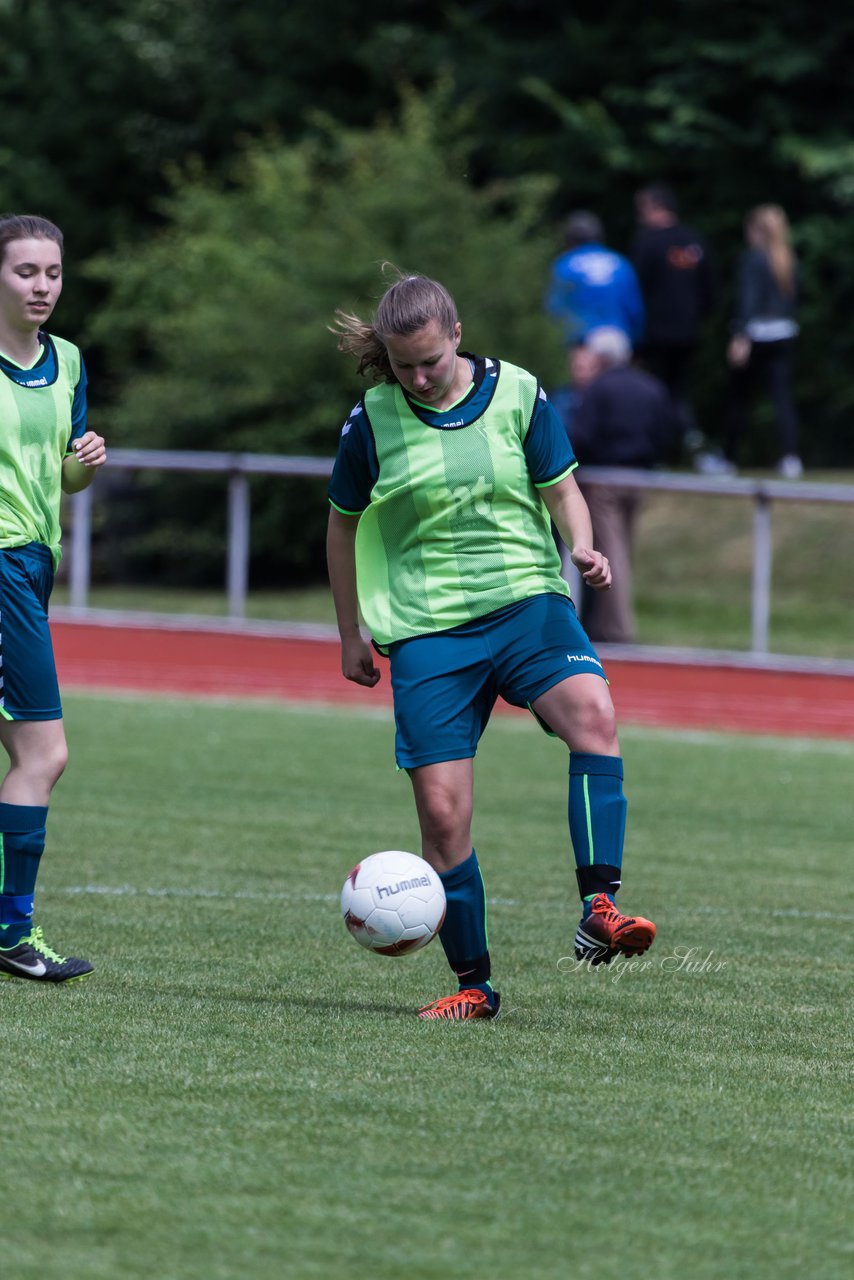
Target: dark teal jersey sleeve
(79,407)
(547,449)
(356,468)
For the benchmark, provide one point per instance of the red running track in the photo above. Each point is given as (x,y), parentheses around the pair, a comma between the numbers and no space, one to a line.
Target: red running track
(239,664)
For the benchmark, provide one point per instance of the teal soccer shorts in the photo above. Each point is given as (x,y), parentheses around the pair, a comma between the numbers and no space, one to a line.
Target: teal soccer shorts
(446,685)
(29,689)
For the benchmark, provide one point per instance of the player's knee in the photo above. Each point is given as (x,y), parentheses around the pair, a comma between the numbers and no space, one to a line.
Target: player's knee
(444,831)
(597,725)
(53,762)
(445,821)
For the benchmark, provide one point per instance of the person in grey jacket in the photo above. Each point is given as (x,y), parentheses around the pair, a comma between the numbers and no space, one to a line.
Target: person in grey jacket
(764,333)
(625,418)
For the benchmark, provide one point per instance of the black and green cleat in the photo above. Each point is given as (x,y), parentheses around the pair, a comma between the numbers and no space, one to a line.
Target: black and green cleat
(32,958)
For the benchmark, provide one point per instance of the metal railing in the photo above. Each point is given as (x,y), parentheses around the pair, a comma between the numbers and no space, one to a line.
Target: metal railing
(239,467)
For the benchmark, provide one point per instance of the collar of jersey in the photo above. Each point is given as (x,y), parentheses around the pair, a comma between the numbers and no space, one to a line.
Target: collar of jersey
(42,373)
(471,407)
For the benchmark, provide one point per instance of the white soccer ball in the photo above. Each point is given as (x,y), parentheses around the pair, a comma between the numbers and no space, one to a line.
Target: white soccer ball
(393,903)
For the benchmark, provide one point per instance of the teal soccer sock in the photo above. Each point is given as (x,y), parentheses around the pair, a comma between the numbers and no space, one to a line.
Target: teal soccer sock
(463,932)
(597,823)
(22,837)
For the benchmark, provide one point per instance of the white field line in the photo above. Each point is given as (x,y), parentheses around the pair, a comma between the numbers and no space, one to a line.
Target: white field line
(132,891)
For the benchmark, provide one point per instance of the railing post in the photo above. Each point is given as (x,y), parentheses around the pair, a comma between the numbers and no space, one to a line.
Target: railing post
(81,548)
(238,544)
(760,600)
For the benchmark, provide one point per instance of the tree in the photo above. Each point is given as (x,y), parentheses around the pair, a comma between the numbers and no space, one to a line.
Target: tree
(732,104)
(219,323)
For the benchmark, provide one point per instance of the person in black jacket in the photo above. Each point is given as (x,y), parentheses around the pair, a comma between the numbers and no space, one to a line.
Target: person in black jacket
(678,283)
(625,418)
(764,334)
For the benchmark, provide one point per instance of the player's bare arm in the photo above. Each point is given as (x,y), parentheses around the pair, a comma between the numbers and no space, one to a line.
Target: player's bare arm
(567,508)
(357,660)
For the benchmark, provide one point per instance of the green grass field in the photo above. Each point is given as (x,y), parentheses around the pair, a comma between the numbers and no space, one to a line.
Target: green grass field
(242,1092)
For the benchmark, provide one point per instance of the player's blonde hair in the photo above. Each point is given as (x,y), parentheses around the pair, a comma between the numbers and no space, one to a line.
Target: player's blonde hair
(407,305)
(770,227)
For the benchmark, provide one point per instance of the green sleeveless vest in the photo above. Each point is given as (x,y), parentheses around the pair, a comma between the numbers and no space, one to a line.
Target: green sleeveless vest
(36,425)
(456,527)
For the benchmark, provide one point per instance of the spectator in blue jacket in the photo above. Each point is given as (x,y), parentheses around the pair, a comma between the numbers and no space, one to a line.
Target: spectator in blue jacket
(591,286)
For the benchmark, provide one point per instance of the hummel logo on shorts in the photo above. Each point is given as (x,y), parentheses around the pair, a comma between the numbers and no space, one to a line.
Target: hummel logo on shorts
(583,657)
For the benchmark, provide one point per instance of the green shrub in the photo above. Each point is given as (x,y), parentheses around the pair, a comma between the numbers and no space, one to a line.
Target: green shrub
(223,317)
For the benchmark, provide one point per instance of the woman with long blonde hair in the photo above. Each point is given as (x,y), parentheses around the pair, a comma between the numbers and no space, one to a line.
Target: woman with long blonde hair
(764,334)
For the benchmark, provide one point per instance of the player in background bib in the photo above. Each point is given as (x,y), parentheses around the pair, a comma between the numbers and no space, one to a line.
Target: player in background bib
(449,472)
(46,450)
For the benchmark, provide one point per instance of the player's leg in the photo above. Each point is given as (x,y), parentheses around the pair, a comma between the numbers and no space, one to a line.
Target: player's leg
(443,695)
(549,665)
(33,736)
(24,796)
(444,801)
(37,755)
(579,710)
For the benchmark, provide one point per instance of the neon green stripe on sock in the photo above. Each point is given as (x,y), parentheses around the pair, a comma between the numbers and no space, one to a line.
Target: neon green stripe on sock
(485,930)
(589,820)
(3,927)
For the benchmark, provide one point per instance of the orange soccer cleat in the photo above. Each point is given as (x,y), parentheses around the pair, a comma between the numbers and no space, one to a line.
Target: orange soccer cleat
(462,1006)
(606,932)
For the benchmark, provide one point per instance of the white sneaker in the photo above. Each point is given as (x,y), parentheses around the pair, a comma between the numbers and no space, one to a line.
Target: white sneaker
(790,467)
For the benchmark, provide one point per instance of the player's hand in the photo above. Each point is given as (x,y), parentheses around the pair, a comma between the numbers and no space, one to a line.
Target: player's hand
(357,662)
(90,449)
(593,567)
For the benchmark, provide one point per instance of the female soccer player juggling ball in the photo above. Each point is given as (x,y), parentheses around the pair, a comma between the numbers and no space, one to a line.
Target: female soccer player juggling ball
(45,450)
(438,531)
